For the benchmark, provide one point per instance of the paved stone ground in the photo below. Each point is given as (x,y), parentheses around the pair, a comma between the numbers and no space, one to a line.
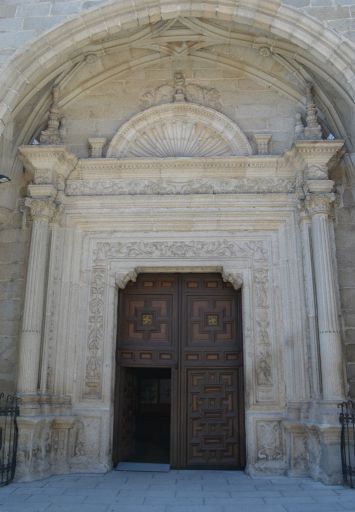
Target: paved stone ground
(176,491)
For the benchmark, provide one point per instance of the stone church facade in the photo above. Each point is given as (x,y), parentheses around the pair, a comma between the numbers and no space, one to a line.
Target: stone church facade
(158,145)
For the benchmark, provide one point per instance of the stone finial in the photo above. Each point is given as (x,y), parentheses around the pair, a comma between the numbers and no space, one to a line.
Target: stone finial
(52,136)
(313,130)
(179,82)
(299,127)
(96,146)
(263,143)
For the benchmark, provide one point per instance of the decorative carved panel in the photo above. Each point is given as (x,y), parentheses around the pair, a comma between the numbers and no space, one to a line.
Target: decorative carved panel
(214,435)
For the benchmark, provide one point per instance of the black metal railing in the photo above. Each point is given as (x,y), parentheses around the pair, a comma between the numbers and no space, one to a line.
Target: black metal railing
(347,441)
(9,410)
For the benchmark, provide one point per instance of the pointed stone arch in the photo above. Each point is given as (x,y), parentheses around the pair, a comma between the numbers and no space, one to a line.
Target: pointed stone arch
(179,130)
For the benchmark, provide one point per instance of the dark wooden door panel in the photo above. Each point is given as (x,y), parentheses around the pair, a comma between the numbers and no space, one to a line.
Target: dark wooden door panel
(147,331)
(212,417)
(127,418)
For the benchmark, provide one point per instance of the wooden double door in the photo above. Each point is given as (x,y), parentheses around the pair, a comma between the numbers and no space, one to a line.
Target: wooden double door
(186,328)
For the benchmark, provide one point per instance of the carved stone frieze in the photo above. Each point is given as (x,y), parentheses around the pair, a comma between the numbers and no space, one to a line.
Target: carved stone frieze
(223,248)
(183,187)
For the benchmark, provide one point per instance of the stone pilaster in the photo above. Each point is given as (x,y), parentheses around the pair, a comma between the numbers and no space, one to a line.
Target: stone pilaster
(30,348)
(305,227)
(319,202)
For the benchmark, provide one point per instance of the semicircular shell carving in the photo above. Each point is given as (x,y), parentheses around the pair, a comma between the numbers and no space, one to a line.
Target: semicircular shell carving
(179,130)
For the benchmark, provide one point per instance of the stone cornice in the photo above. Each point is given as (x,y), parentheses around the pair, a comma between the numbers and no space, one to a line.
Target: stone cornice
(317,156)
(48,164)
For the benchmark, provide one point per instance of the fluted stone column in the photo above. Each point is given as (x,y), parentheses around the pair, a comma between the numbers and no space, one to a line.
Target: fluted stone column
(305,227)
(319,207)
(30,347)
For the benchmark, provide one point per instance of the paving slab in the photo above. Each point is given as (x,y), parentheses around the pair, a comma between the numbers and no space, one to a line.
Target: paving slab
(176,491)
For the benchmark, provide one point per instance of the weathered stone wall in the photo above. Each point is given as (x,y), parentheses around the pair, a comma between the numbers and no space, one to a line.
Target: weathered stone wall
(13,257)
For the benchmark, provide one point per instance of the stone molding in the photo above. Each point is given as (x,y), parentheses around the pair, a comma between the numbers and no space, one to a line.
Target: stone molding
(179,130)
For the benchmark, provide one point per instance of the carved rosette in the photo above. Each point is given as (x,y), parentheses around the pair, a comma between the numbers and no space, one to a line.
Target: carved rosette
(41,210)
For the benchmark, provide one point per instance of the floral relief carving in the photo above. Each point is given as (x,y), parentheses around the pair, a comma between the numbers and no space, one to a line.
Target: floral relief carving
(263,347)
(181,187)
(261,282)
(186,249)
(93,376)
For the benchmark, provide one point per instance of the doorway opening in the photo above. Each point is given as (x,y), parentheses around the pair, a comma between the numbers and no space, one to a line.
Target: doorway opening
(181,332)
(146,404)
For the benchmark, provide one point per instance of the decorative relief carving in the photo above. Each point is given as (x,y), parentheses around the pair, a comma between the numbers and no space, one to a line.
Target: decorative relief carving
(179,130)
(93,377)
(187,249)
(261,281)
(191,92)
(184,187)
(235,279)
(263,348)
(264,368)
(269,441)
(122,278)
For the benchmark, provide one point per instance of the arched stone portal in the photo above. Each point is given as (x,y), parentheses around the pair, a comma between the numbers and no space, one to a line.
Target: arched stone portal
(237,182)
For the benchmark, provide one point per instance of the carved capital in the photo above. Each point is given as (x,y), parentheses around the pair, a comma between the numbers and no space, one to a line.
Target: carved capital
(234,278)
(319,204)
(40,209)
